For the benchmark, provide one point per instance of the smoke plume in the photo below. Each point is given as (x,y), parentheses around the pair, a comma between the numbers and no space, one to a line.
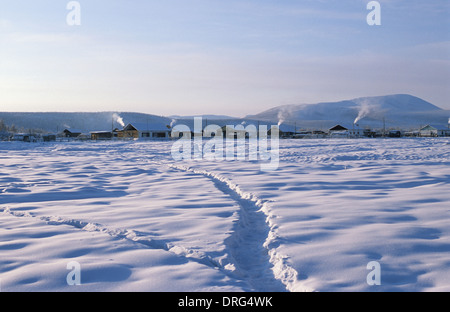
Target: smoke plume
(284,113)
(118,119)
(364,110)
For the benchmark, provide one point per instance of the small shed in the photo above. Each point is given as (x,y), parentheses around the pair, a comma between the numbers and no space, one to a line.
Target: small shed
(49,137)
(101,135)
(24,137)
(395,134)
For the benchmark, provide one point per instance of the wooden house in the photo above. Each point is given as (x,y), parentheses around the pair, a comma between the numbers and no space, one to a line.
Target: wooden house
(101,135)
(71,133)
(144,131)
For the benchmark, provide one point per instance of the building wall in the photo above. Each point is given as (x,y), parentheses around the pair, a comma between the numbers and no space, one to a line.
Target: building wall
(428,133)
(154,134)
(101,136)
(128,134)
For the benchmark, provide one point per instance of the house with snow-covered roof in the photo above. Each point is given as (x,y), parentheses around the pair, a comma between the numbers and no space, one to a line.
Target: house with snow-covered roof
(434,131)
(71,133)
(144,131)
(346,131)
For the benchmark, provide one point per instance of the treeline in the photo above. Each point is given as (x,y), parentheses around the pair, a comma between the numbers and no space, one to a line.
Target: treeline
(7,130)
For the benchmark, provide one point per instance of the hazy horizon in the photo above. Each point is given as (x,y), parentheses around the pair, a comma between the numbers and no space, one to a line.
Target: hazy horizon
(207,114)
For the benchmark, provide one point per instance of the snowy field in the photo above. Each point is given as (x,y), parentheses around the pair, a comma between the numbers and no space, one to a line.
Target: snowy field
(136,220)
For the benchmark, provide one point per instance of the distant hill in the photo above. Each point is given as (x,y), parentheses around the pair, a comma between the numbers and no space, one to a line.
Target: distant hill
(395,111)
(210,117)
(105,121)
(400,110)
(85,122)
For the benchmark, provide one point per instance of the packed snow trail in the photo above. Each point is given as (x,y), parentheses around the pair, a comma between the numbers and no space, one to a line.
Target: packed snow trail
(254,240)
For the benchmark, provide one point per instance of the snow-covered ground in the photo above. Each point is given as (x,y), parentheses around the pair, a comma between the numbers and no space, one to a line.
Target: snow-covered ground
(135,220)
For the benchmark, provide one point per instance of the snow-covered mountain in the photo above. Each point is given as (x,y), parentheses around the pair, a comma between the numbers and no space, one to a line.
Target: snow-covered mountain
(400,110)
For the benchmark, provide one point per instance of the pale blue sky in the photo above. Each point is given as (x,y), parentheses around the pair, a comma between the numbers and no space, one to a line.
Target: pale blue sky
(233,57)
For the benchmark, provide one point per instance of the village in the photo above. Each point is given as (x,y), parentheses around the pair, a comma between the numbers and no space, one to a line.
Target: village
(146,131)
